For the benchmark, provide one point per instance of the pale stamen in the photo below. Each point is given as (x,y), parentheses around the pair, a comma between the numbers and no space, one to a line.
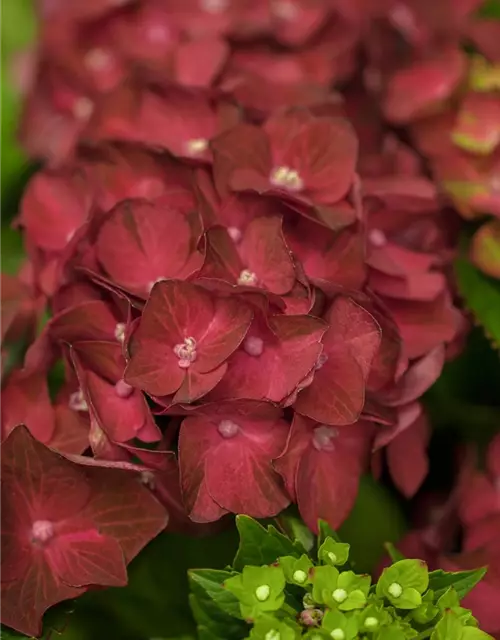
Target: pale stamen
(42,531)
(323,436)
(286,178)
(214,6)
(377,237)
(196,146)
(123,390)
(254,346)
(247,278)
(186,352)
(97,59)
(285,10)
(120,331)
(228,428)
(77,401)
(235,234)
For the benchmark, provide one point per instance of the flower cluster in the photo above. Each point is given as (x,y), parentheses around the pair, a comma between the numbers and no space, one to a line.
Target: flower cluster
(299,596)
(246,272)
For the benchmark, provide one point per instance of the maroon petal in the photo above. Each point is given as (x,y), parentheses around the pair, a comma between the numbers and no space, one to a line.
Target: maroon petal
(25,400)
(131,245)
(336,395)
(418,378)
(236,471)
(330,460)
(409,471)
(242,159)
(123,509)
(54,206)
(264,252)
(273,361)
(83,556)
(25,601)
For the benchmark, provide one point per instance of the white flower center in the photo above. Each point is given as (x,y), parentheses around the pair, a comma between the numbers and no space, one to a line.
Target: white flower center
(337,634)
(332,557)
(272,635)
(300,576)
(286,178)
(339,595)
(263,592)
(235,234)
(371,622)
(323,436)
(228,428)
(120,331)
(377,237)
(42,531)
(196,146)
(123,390)
(186,352)
(254,346)
(247,278)
(148,479)
(77,401)
(395,589)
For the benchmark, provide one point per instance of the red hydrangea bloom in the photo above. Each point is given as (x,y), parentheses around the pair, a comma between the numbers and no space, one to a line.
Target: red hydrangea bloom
(309,161)
(225,456)
(184,339)
(59,535)
(246,267)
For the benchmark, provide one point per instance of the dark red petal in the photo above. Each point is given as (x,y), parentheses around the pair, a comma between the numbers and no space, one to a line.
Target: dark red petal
(131,245)
(81,556)
(123,509)
(337,393)
(25,601)
(242,159)
(264,252)
(408,471)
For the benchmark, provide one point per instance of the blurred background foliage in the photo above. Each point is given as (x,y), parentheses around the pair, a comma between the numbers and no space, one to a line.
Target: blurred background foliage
(464,403)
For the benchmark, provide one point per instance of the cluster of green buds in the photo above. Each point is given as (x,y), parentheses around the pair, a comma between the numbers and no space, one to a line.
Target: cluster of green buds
(315,594)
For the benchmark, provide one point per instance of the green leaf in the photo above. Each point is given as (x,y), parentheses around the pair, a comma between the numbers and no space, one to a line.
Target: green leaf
(394,553)
(461,581)
(490,9)
(448,628)
(481,296)
(213,622)
(12,250)
(260,546)
(17,30)
(325,531)
(295,528)
(211,583)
